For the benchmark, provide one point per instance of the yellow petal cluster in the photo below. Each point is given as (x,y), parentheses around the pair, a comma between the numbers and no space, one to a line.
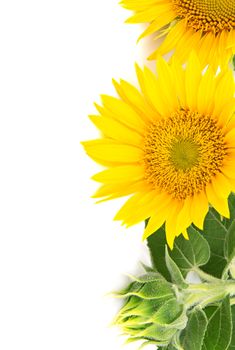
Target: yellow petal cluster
(206,26)
(168,145)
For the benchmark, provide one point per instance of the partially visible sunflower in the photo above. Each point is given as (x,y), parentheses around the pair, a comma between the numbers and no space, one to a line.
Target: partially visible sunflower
(206,26)
(171,146)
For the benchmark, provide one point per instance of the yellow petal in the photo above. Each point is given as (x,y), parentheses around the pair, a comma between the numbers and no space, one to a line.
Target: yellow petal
(123,112)
(155,222)
(192,80)
(220,204)
(206,47)
(231,39)
(166,84)
(149,14)
(183,218)
(230,137)
(146,208)
(199,209)
(171,39)
(224,92)
(154,93)
(160,212)
(232,183)
(228,169)
(107,150)
(183,46)
(116,189)
(221,185)
(117,131)
(139,5)
(185,234)
(132,96)
(129,205)
(179,79)
(227,112)
(166,17)
(231,123)
(126,188)
(120,174)
(171,232)
(140,76)
(206,92)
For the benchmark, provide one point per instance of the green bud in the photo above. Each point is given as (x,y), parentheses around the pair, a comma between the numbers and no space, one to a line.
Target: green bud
(151,312)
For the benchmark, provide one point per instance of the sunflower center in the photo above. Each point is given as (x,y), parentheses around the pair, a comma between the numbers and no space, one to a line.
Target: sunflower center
(207,15)
(183,153)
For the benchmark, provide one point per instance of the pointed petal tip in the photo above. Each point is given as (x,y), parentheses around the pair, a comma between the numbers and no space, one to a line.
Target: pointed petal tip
(139,38)
(143,238)
(227,216)
(83,143)
(170,241)
(146,234)
(129,21)
(150,58)
(185,234)
(94,177)
(153,56)
(200,225)
(114,81)
(115,218)
(96,105)
(137,67)
(100,201)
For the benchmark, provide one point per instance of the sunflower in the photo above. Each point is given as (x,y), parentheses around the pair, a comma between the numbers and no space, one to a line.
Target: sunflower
(170,146)
(206,26)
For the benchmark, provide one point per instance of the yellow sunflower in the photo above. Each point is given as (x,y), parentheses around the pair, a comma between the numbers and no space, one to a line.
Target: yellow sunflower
(171,146)
(206,26)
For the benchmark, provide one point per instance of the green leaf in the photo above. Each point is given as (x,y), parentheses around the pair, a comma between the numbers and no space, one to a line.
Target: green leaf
(231,202)
(175,272)
(171,347)
(229,244)
(147,268)
(156,244)
(191,338)
(219,330)
(164,332)
(192,253)
(169,314)
(232,343)
(187,254)
(148,286)
(215,232)
(229,250)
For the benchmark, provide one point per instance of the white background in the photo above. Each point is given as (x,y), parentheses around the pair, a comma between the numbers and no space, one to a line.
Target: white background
(60,253)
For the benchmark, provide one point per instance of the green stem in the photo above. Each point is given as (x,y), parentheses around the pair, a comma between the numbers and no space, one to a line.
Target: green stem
(232,301)
(203,294)
(231,287)
(205,276)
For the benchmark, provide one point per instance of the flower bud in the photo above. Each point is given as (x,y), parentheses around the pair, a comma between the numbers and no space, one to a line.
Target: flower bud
(152,311)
